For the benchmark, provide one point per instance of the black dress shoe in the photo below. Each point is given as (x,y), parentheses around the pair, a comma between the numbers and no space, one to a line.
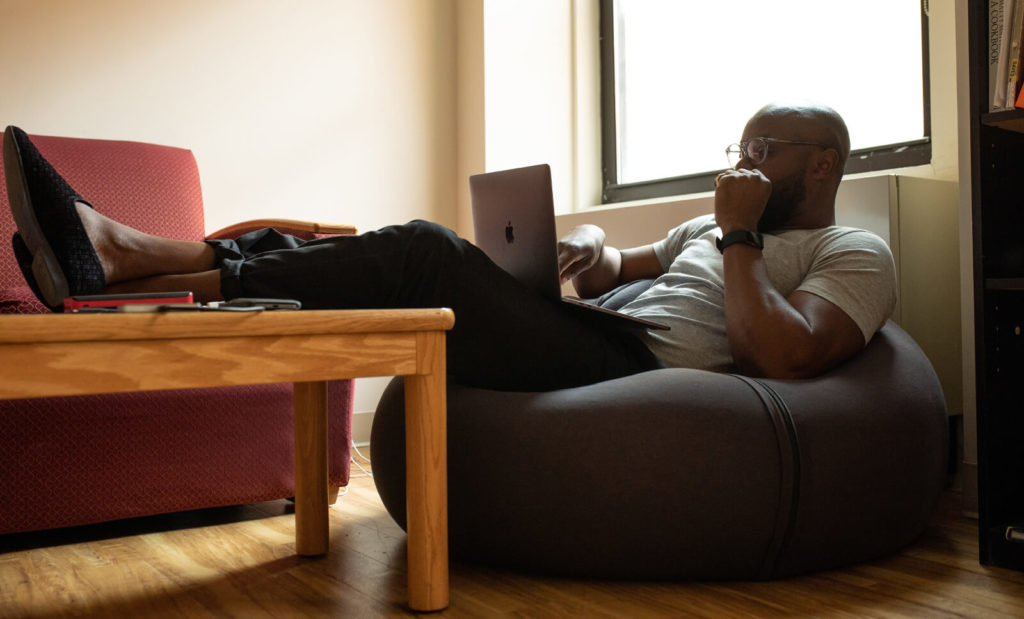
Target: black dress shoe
(24,258)
(63,261)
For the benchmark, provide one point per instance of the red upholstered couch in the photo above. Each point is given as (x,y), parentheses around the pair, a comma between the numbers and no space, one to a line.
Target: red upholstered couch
(79,460)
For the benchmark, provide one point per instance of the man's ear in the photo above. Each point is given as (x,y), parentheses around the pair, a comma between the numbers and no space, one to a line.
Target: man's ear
(824,163)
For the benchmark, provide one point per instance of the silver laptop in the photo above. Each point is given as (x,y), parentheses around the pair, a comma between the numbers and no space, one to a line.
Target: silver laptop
(514,222)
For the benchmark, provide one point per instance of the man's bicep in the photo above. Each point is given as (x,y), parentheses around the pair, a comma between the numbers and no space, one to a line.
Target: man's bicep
(639,263)
(836,335)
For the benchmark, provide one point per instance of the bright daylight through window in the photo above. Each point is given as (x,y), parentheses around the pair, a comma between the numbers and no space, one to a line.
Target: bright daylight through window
(687,75)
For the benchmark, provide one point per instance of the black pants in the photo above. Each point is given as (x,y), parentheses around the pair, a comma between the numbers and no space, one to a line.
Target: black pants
(505,336)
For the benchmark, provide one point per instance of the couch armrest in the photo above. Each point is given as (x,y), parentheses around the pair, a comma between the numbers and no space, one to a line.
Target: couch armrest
(303,229)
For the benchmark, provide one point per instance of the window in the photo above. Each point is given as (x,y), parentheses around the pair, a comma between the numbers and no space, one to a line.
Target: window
(680,79)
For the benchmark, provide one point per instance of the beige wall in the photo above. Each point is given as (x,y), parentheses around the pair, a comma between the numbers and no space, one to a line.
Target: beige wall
(334,110)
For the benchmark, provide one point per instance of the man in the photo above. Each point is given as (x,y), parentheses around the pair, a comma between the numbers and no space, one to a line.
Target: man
(786,312)
(806,302)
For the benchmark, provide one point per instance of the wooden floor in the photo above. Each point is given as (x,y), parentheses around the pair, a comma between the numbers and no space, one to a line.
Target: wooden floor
(239,562)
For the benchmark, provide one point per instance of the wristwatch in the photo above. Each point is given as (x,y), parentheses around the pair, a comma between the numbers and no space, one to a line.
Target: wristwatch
(754,239)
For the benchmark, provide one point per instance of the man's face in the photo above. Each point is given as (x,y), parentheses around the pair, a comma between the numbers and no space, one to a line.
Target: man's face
(785,166)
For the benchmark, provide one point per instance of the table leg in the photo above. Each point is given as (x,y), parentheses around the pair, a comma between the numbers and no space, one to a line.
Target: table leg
(427,479)
(310,416)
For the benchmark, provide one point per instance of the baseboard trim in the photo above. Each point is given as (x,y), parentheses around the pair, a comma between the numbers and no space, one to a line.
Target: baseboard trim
(361,424)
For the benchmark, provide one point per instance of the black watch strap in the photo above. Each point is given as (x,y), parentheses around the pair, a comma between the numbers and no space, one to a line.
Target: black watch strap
(754,239)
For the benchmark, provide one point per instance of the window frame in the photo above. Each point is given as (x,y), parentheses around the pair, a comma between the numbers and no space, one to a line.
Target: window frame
(882,157)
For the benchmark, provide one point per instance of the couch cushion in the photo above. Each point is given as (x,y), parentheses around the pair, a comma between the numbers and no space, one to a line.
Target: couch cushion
(17,297)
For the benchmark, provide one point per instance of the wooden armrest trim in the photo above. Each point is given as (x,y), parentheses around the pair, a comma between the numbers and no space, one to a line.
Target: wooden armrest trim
(304,229)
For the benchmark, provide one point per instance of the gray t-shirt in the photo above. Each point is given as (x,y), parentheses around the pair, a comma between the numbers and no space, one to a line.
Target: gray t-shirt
(851,268)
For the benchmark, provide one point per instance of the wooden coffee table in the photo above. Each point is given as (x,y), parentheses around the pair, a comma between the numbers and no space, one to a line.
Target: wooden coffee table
(77,354)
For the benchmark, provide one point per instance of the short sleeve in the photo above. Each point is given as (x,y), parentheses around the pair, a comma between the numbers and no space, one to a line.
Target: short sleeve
(671,246)
(854,269)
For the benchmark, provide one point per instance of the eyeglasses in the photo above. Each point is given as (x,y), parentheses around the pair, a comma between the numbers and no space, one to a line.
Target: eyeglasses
(756,149)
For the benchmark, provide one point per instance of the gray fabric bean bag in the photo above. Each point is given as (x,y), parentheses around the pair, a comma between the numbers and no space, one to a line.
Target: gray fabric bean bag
(687,474)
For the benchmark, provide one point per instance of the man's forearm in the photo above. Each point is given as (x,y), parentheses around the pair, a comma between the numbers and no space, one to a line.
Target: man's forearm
(799,336)
(767,335)
(601,277)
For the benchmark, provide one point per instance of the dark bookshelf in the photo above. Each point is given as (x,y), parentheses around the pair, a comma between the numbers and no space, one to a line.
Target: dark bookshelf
(997,202)
(1004,283)
(1011,120)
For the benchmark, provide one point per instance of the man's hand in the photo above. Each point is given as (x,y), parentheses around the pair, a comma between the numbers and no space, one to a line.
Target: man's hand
(579,251)
(596,268)
(740,199)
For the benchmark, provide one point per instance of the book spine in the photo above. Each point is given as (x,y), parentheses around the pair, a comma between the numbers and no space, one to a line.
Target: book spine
(998,36)
(1014,72)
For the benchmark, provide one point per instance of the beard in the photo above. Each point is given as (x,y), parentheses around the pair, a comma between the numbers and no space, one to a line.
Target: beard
(788,194)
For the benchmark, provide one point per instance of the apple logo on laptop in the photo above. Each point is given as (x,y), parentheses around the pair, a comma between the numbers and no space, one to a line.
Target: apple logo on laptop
(510,236)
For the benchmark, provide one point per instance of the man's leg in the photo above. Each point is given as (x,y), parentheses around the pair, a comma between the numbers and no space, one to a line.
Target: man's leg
(505,336)
(134,261)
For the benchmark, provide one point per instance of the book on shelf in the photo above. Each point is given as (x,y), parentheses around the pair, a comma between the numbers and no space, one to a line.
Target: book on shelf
(997,38)
(1014,72)
(1005,68)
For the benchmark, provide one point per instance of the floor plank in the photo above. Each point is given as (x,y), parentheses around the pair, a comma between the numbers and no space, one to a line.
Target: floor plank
(240,562)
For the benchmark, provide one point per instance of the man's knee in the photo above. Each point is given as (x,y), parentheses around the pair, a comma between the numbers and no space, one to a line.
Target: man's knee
(431,238)
(428,228)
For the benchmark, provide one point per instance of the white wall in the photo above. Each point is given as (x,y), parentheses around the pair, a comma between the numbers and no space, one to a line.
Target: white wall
(528,90)
(533,98)
(964,120)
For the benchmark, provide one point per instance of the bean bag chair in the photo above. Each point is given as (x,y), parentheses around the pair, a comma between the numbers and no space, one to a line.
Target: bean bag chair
(687,474)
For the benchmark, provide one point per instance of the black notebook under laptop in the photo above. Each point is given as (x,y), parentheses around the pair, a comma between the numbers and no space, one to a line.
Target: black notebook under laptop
(514,223)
